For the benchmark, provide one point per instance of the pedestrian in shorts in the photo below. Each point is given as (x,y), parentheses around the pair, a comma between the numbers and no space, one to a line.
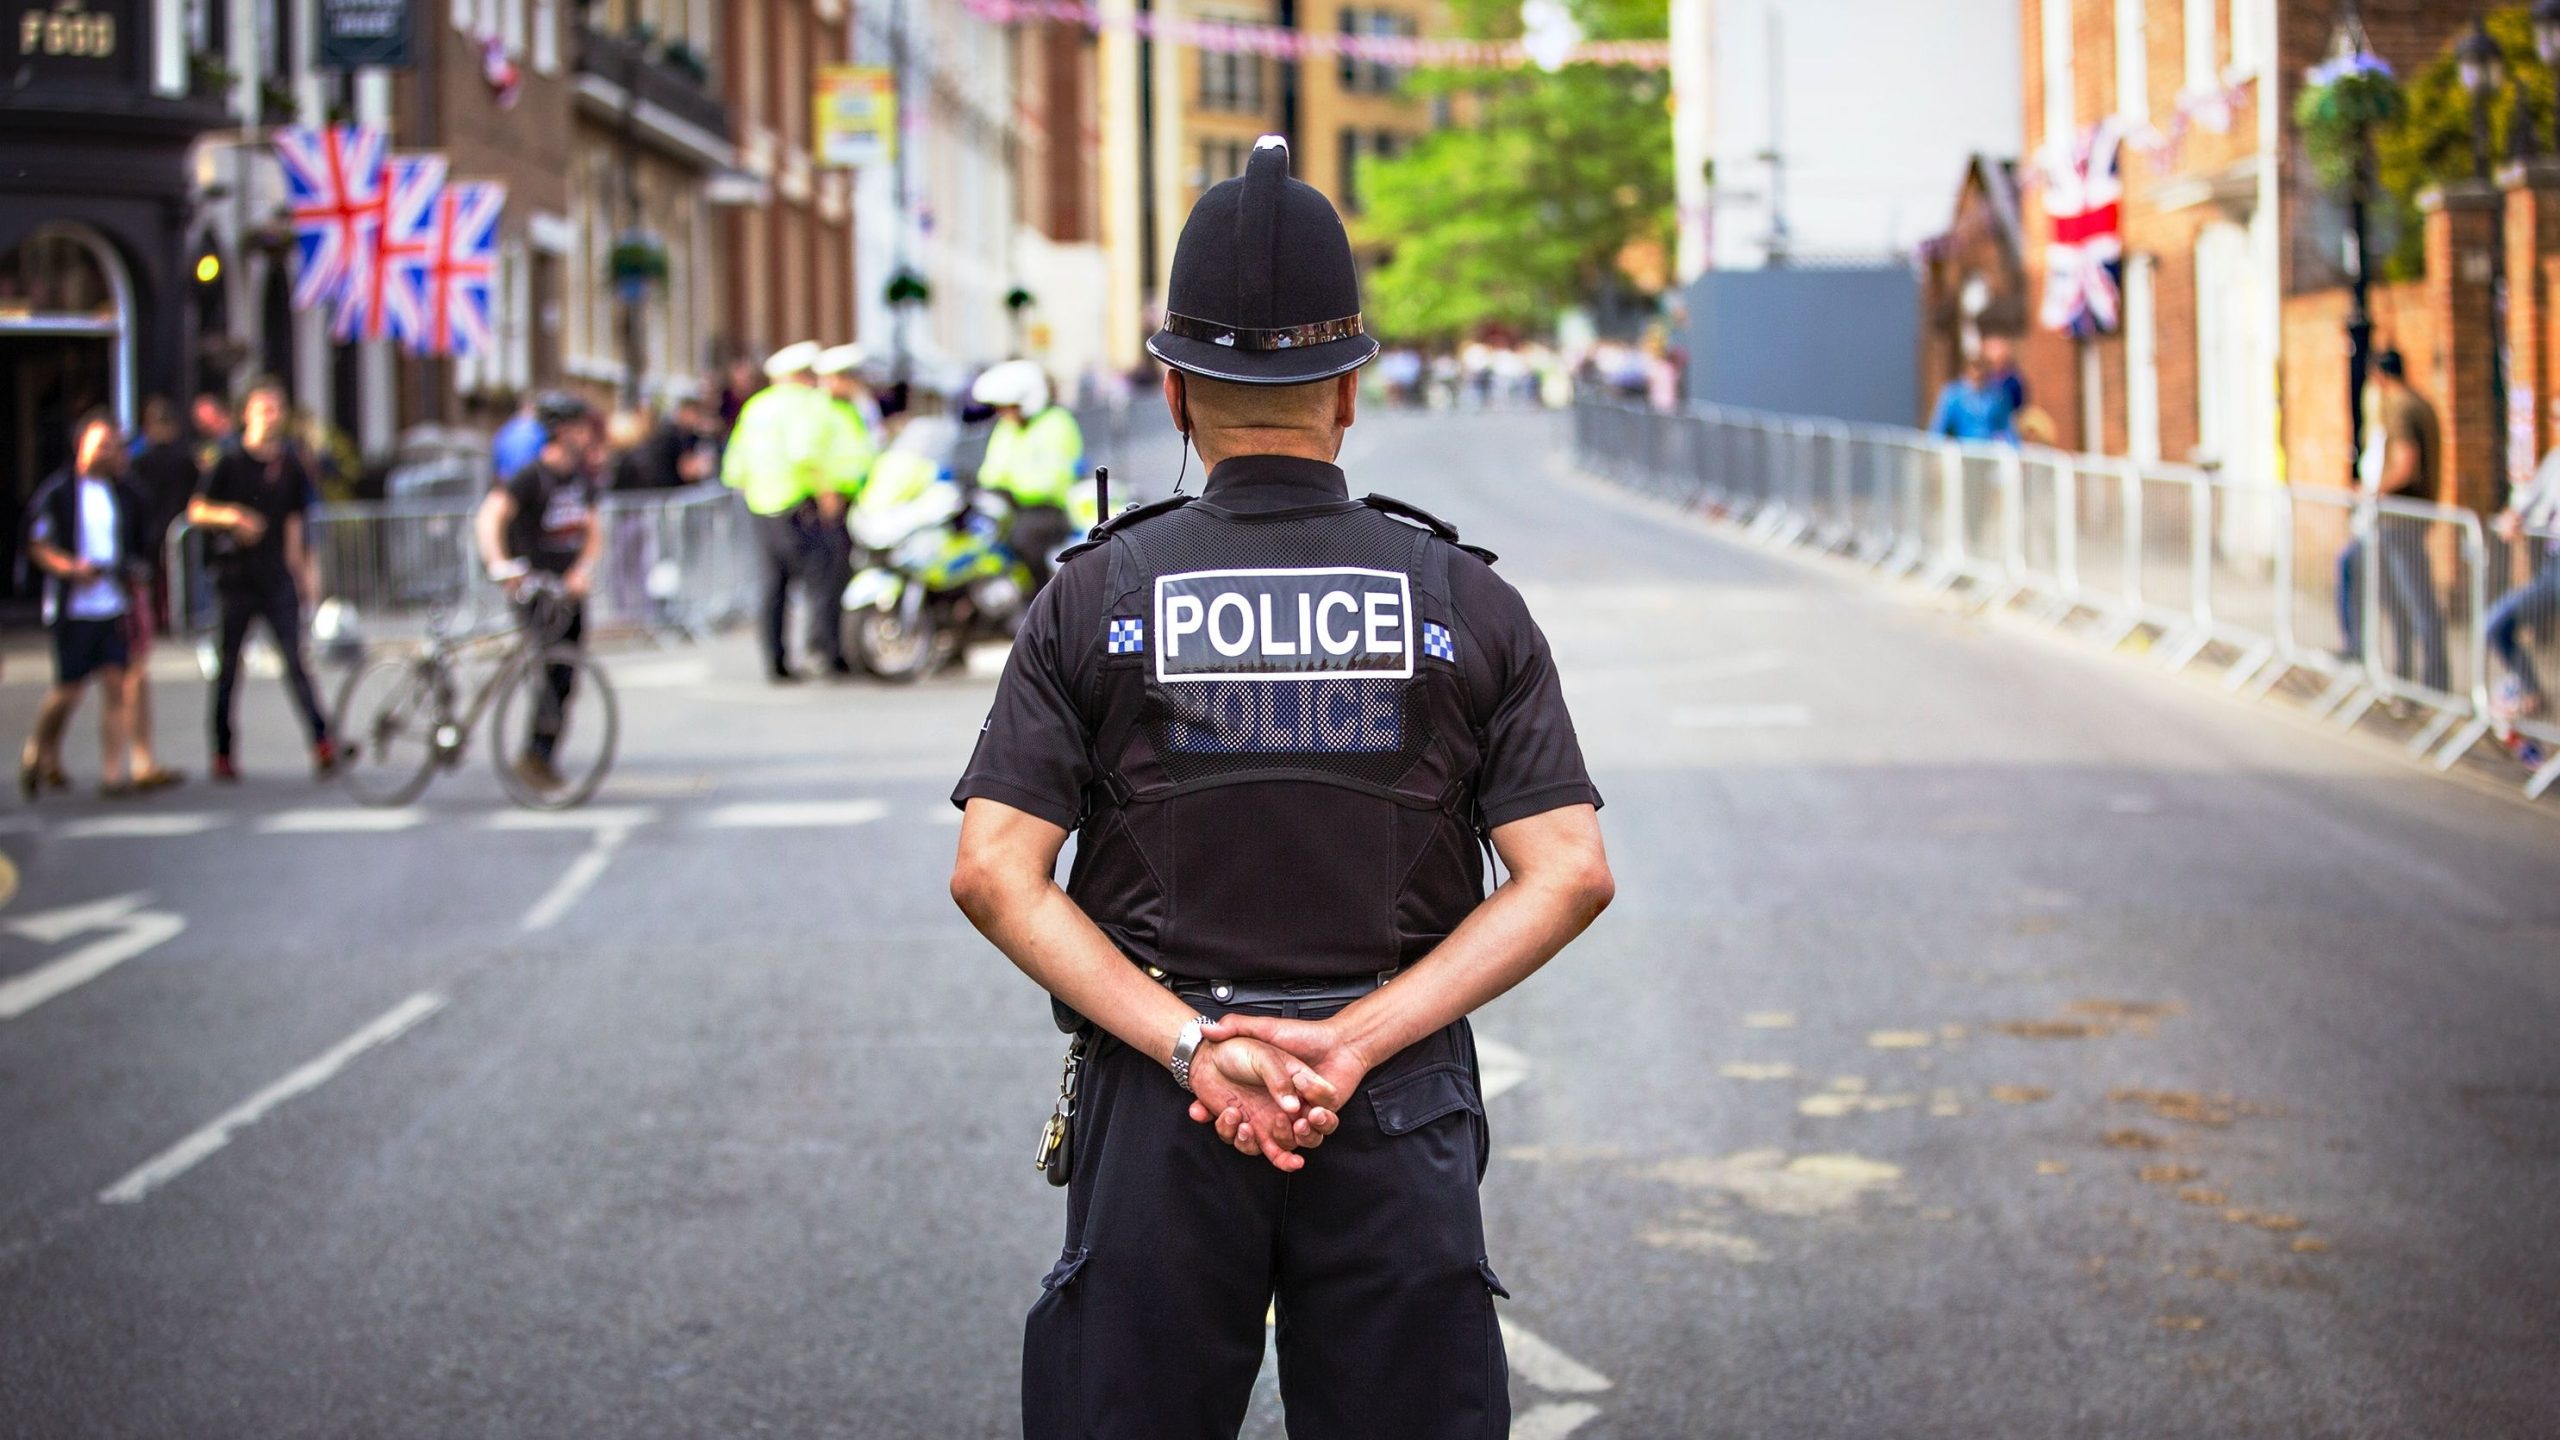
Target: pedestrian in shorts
(86,534)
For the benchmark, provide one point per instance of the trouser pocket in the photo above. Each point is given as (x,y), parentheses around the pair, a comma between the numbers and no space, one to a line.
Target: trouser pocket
(1053,1353)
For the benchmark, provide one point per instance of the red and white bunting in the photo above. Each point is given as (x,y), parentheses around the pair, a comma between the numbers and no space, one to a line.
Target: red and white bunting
(1227,37)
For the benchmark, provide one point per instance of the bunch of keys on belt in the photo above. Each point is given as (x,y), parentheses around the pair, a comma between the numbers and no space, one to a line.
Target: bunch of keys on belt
(1056,1160)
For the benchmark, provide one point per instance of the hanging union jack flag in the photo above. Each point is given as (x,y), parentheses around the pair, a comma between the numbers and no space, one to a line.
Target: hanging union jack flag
(446,287)
(2084,257)
(333,185)
(414,194)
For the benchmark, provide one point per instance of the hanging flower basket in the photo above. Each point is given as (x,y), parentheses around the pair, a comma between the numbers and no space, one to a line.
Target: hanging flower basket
(907,288)
(686,61)
(637,264)
(2348,98)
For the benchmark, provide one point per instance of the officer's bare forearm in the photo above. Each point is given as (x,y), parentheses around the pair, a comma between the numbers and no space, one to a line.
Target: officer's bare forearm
(1559,884)
(1002,882)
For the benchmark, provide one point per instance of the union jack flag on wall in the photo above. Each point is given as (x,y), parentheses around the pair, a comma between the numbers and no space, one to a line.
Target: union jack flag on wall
(415,187)
(2084,256)
(446,286)
(333,184)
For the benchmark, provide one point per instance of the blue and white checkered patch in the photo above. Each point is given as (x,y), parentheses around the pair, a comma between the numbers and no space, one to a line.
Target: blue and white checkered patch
(1128,637)
(1438,643)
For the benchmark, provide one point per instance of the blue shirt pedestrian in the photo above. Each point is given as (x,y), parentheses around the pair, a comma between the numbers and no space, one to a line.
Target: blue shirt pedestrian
(517,444)
(1973,409)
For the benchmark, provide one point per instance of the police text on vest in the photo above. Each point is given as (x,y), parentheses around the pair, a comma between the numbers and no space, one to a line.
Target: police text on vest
(1282,624)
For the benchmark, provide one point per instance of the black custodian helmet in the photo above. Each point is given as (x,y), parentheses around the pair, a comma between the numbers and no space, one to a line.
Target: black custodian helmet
(1263,290)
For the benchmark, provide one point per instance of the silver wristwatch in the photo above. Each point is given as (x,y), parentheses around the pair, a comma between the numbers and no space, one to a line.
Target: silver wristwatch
(1186,1043)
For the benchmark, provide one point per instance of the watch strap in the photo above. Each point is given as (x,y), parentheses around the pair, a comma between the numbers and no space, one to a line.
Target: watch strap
(1186,1043)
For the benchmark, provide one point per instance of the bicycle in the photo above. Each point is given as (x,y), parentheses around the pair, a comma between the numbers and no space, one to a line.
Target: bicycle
(400,713)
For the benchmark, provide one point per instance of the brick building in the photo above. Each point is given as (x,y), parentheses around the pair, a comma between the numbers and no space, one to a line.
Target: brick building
(786,252)
(2230,351)
(1176,120)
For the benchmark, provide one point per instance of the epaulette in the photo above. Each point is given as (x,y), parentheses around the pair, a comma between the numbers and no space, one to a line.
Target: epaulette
(1416,515)
(1123,521)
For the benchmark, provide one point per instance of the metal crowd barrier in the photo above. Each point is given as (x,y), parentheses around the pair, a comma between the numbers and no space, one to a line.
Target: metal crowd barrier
(677,563)
(2361,602)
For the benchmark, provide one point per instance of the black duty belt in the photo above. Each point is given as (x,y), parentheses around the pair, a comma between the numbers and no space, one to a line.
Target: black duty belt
(1242,994)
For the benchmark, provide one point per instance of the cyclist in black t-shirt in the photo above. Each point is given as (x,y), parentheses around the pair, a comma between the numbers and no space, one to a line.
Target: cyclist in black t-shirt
(543,520)
(255,500)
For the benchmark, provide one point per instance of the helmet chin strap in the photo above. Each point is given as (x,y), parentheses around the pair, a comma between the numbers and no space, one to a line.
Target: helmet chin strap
(1182,401)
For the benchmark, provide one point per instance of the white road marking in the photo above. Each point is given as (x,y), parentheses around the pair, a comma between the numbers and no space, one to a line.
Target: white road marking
(659,674)
(579,878)
(192,1151)
(1547,1367)
(141,827)
(52,927)
(795,814)
(592,817)
(135,931)
(1743,717)
(1499,1066)
(1552,1421)
(341,820)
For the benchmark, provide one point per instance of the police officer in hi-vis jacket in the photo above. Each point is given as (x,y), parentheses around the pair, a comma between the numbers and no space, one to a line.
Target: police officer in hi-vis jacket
(1284,724)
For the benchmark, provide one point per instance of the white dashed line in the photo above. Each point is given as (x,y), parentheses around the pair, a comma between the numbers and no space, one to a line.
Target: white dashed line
(1743,717)
(1552,1421)
(141,827)
(795,814)
(178,1159)
(135,931)
(1499,1067)
(340,821)
(1547,1367)
(595,817)
(577,880)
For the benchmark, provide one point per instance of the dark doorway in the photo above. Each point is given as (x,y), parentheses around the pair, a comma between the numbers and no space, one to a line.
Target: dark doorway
(46,383)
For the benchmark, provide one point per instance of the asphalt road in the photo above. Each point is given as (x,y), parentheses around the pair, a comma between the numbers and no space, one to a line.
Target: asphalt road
(1990,1039)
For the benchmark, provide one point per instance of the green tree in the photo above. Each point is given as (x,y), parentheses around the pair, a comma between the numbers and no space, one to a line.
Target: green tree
(2433,146)
(1523,206)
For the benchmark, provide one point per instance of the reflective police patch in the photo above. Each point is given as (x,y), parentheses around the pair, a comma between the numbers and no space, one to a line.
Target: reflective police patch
(1280,624)
(1126,637)
(1438,643)
(1343,716)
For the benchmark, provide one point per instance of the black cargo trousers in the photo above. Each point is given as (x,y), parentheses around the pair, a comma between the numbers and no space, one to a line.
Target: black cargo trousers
(1373,1258)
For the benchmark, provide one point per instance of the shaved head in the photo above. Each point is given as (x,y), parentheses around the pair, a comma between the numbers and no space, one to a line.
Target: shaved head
(1230,419)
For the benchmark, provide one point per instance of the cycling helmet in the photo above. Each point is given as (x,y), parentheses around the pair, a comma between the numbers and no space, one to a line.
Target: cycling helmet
(556,408)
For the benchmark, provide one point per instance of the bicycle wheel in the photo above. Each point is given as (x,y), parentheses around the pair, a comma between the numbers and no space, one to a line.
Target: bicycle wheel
(387,719)
(565,686)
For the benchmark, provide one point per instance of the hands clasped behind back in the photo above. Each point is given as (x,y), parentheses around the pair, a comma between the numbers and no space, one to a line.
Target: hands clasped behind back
(1273,1087)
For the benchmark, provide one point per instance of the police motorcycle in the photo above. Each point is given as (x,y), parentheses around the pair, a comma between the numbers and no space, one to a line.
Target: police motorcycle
(934,573)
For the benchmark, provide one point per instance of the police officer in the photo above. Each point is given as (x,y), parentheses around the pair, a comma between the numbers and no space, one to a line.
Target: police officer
(852,446)
(1035,455)
(1279,719)
(777,454)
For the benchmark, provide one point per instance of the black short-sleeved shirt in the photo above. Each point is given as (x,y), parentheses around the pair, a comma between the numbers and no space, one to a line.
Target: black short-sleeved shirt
(166,476)
(553,513)
(1033,754)
(276,488)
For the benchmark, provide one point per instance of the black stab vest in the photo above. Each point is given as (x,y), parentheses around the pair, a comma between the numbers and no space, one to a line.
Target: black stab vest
(1286,751)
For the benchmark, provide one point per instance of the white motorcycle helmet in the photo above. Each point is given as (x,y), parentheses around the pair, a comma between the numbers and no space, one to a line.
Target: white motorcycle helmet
(1019,383)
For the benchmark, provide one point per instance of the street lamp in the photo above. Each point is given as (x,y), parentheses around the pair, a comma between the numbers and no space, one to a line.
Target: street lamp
(2483,68)
(2546,43)
(2351,54)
